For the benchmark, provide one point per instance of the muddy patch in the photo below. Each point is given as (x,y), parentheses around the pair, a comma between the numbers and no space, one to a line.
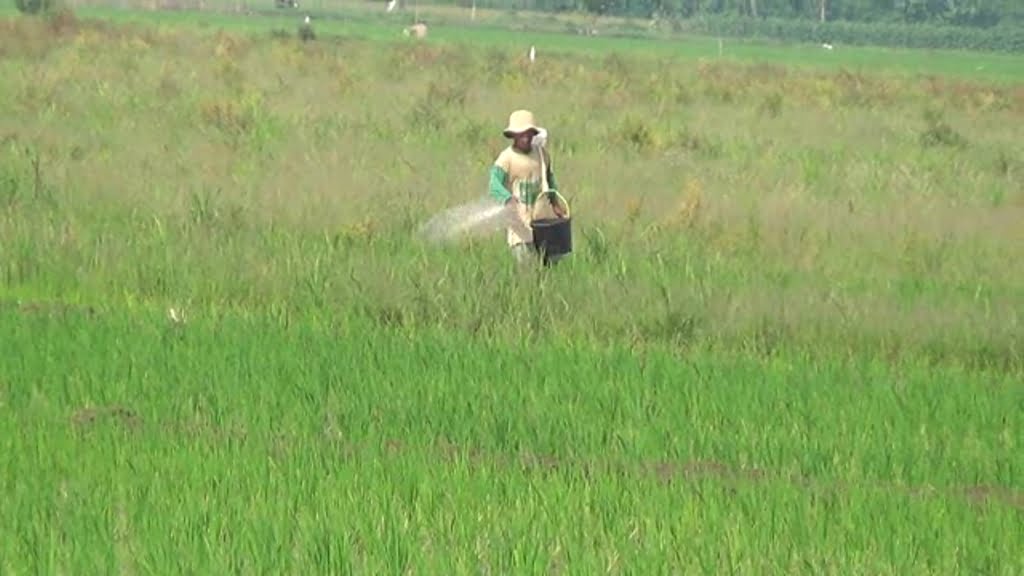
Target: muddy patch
(121,416)
(685,471)
(995,494)
(664,471)
(47,308)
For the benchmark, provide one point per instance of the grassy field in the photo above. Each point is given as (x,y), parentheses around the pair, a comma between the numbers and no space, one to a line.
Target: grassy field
(517,31)
(788,341)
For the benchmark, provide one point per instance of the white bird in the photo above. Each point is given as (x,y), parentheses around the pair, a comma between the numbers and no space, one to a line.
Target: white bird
(391,5)
(307,20)
(827,46)
(533,53)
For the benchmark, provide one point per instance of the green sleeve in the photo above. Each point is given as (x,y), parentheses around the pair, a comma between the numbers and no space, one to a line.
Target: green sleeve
(551,179)
(552,183)
(497,186)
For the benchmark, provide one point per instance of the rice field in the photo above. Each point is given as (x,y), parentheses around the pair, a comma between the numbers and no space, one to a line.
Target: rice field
(788,339)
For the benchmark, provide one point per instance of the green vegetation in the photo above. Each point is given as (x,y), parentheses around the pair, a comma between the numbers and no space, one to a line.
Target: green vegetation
(996,25)
(245,444)
(789,340)
(33,6)
(844,33)
(978,13)
(517,32)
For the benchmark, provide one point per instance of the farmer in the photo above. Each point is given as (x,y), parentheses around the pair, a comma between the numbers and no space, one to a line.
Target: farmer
(517,179)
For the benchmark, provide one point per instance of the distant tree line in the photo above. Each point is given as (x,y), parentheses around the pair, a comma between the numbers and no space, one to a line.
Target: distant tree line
(994,25)
(978,13)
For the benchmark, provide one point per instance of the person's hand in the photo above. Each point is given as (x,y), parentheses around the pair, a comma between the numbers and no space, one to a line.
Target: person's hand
(558,208)
(512,201)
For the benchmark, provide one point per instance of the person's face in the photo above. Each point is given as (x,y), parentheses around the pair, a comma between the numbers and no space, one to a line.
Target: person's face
(522,141)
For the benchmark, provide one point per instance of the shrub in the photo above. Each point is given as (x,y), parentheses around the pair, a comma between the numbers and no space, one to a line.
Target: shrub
(938,132)
(771,106)
(35,6)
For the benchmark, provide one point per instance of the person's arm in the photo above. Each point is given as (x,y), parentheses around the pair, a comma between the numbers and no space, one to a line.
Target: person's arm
(497,188)
(552,185)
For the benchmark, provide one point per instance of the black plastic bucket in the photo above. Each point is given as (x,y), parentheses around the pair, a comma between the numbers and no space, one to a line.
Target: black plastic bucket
(552,237)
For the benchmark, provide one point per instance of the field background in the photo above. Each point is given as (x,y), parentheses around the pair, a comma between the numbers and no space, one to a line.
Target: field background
(789,339)
(558,33)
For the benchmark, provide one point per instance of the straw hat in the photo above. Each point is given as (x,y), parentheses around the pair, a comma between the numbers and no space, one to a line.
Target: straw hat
(520,121)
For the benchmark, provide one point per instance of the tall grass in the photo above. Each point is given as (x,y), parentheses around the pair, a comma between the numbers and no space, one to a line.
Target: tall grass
(716,204)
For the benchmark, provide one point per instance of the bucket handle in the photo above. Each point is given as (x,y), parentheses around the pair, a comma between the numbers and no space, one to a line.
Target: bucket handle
(564,202)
